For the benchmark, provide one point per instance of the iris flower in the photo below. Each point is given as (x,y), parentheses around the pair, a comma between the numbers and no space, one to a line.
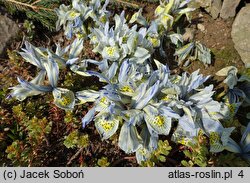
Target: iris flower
(243,148)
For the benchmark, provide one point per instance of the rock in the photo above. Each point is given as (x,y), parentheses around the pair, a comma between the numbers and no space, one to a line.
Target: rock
(189,34)
(241,34)
(215,8)
(8,30)
(200,15)
(211,6)
(229,8)
(201,27)
(204,3)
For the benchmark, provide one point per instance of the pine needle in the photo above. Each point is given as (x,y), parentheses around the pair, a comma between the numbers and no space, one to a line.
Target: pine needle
(35,8)
(38,10)
(126,3)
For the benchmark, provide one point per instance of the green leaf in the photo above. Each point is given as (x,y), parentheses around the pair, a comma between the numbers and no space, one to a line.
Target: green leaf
(187,153)
(185,163)
(162,158)
(103,162)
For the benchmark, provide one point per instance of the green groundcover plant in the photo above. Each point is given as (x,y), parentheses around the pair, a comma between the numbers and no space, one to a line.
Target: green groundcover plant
(140,99)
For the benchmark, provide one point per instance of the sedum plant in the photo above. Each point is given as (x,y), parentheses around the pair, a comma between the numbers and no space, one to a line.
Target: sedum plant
(27,137)
(140,100)
(197,152)
(158,156)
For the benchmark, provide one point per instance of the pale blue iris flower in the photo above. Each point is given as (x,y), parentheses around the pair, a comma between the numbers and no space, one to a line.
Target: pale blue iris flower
(133,99)
(130,76)
(63,98)
(197,109)
(73,17)
(176,8)
(49,63)
(102,99)
(120,42)
(129,138)
(137,17)
(61,14)
(106,111)
(69,55)
(27,89)
(63,56)
(159,119)
(44,60)
(107,125)
(149,144)
(34,55)
(243,148)
(238,88)
(219,136)
(153,36)
(187,84)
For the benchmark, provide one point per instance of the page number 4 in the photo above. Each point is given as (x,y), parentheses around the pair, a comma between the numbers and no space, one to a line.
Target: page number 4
(241,174)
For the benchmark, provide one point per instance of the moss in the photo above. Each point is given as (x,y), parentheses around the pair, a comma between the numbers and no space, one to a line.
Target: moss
(229,159)
(228,54)
(245,72)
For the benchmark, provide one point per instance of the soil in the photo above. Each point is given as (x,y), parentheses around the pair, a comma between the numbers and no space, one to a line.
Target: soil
(216,37)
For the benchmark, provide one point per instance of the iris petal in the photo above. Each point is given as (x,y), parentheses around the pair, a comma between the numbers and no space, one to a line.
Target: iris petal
(64,98)
(107,126)
(129,139)
(88,117)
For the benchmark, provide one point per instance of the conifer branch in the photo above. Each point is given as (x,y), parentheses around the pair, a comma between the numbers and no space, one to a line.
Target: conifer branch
(126,3)
(37,1)
(35,8)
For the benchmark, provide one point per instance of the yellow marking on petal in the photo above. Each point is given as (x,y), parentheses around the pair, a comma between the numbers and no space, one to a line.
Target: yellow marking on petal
(103,19)
(124,39)
(159,10)
(80,35)
(94,39)
(73,14)
(127,115)
(159,121)
(165,19)
(111,51)
(107,125)
(200,133)
(65,100)
(176,80)
(154,41)
(127,89)
(166,98)
(184,141)
(213,113)
(104,102)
